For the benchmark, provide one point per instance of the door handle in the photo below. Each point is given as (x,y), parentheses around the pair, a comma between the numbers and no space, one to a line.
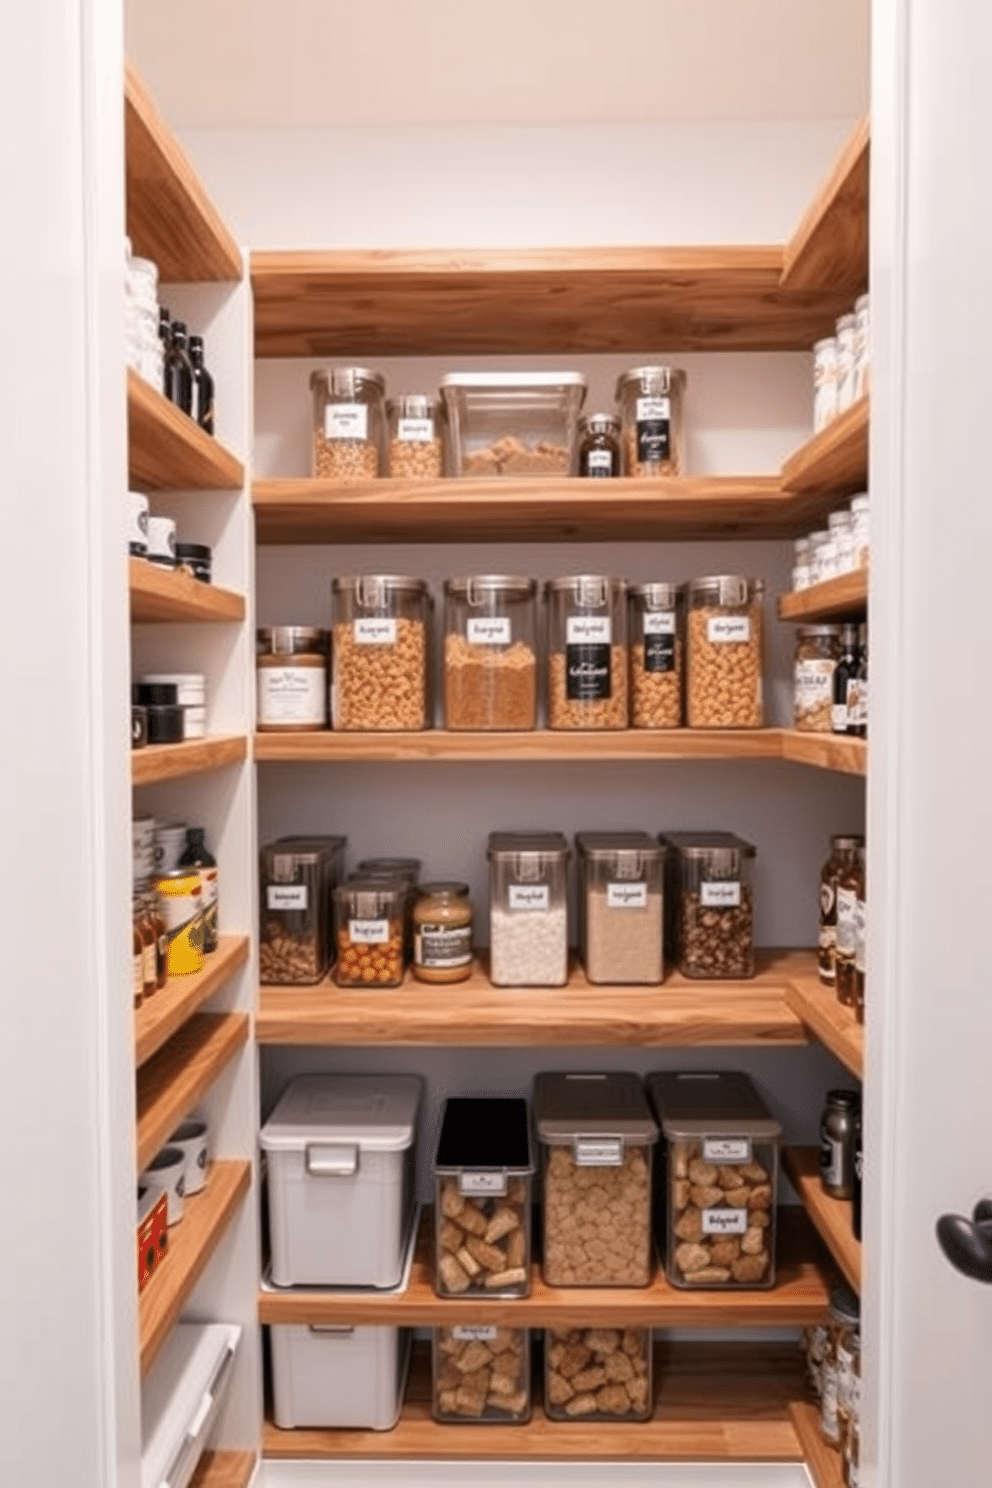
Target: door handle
(967,1243)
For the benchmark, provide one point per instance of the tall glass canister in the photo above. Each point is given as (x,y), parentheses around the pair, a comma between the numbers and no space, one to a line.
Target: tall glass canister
(379,663)
(490,652)
(587,652)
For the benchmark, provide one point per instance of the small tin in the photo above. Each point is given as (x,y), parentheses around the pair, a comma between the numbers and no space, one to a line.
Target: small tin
(191,687)
(137,524)
(194,559)
(181,899)
(162,541)
(166,724)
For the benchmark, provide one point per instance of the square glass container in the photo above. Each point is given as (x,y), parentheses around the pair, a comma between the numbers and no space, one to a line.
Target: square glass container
(725,652)
(490,652)
(528,910)
(513,423)
(481,1372)
(296,880)
(483,1171)
(714,912)
(369,927)
(597,1374)
(380,652)
(621,905)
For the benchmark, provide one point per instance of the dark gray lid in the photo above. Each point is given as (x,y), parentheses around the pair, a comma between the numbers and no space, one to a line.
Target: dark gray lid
(845,1305)
(691,1105)
(311,844)
(592,1105)
(699,844)
(513,844)
(609,844)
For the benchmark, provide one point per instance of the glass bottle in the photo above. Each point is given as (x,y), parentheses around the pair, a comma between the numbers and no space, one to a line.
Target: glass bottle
(858,1175)
(164,336)
(149,970)
(137,959)
(837,1131)
(858,704)
(599,447)
(203,386)
(161,940)
(849,887)
(197,856)
(178,369)
(845,674)
(860,935)
(840,848)
(836,1367)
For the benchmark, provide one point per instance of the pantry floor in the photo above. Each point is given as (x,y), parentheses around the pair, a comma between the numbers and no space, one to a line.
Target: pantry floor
(531,1475)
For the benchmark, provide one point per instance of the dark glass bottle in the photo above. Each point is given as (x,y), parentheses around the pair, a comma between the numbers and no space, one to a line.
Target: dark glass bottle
(203,387)
(599,450)
(197,856)
(861,717)
(178,369)
(165,336)
(845,673)
(858,1169)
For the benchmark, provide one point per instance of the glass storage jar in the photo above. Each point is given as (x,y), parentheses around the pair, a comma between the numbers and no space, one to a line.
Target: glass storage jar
(599,445)
(860,508)
(840,525)
(483,1173)
(842,846)
(587,652)
(296,879)
(404,870)
(862,346)
(349,423)
(481,1372)
(490,653)
(597,1374)
(650,402)
(379,652)
(714,918)
(846,360)
(724,650)
(824,383)
(802,575)
(843,1346)
(621,898)
(416,444)
(655,646)
(850,889)
(528,914)
(442,933)
(860,938)
(818,650)
(291,678)
(368,926)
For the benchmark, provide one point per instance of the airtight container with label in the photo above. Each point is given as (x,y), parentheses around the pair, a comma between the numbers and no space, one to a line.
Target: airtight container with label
(512,423)
(621,902)
(528,912)
(370,932)
(490,652)
(481,1372)
(291,678)
(724,652)
(349,423)
(296,879)
(416,445)
(587,652)
(339,1151)
(379,652)
(656,672)
(483,1170)
(714,904)
(718,1176)
(650,400)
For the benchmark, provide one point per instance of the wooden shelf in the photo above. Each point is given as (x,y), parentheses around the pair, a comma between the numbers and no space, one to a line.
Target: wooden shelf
(168,451)
(823,1462)
(843,598)
(174,1079)
(831,465)
(847,756)
(713,1403)
(193,757)
(678,1013)
(163,594)
(832,1217)
(829,249)
(828,1020)
(170,218)
(223,1470)
(191,1244)
(160,1015)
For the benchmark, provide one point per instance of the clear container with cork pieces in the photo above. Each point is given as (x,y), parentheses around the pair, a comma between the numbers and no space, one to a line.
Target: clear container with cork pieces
(483,1171)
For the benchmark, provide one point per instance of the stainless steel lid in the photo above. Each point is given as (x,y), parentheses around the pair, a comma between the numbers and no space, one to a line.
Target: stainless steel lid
(371,589)
(825,632)
(590,591)
(476,588)
(656,380)
(291,639)
(348,382)
(655,596)
(726,589)
(414,405)
(599,423)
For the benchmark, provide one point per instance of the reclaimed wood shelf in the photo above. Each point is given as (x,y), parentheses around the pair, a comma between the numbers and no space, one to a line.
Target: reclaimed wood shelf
(829,248)
(833,1218)
(160,1015)
(714,1402)
(828,1020)
(823,1462)
(164,594)
(678,1013)
(192,757)
(842,598)
(183,1070)
(170,217)
(166,450)
(831,465)
(847,756)
(223,1470)
(192,1242)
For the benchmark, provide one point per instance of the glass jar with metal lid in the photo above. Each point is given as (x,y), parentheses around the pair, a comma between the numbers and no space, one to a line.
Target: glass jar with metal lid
(838,1126)
(802,575)
(490,652)
(368,925)
(621,898)
(846,360)
(724,652)
(841,1365)
(416,446)
(587,652)
(291,678)
(840,525)
(714,918)
(599,445)
(818,650)
(379,668)
(842,848)
(442,933)
(349,423)
(650,400)
(655,641)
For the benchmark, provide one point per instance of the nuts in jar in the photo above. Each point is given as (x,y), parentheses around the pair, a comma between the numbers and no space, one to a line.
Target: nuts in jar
(655,656)
(818,650)
(715,911)
(597,1374)
(348,423)
(650,400)
(296,879)
(415,443)
(587,664)
(724,652)
(379,659)
(368,919)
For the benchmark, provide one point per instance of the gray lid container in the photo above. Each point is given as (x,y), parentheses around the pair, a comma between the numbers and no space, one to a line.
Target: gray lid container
(375,1113)
(569,1107)
(690,1106)
(609,844)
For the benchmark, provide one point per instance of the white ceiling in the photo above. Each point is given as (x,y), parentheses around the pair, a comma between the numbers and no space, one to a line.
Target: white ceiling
(215,64)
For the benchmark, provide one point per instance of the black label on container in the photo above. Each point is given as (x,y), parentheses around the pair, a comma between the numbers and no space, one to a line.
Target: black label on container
(654,441)
(588,673)
(659,653)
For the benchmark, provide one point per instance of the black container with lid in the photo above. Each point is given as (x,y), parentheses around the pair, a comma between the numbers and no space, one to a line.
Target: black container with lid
(166,723)
(139,726)
(155,694)
(194,559)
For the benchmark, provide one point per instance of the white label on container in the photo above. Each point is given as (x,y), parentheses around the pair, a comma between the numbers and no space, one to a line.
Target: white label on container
(726,1149)
(832,1161)
(529,896)
(493,630)
(482,1183)
(287,896)
(626,896)
(814,685)
(477,1333)
(346,421)
(291,695)
(721,894)
(375,632)
(728,629)
(368,932)
(659,622)
(588,630)
(653,408)
(599,461)
(847,907)
(724,1221)
(598,1152)
(860,934)
(415,430)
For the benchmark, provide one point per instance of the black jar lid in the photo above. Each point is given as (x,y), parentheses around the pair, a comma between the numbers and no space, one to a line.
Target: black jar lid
(194,550)
(156,694)
(484,1132)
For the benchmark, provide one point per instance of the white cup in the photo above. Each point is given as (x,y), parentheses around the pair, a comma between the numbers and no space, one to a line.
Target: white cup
(170,844)
(166,1173)
(191,1139)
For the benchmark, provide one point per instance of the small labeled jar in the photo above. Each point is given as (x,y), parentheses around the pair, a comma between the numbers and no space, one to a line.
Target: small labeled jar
(490,653)
(349,423)
(597,1374)
(416,444)
(824,383)
(842,847)
(442,933)
(379,652)
(291,678)
(714,931)
(850,888)
(368,921)
(843,1342)
(846,360)
(862,346)
(655,648)
(818,650)
(528,909)
(820,559)
(650,401)
(724,651)
(860,508)
(587,652)
(137,524)
(838,1126)
(621,899)
(296,878)
(599,446)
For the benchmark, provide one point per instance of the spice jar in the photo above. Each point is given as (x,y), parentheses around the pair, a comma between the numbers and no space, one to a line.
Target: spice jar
(379,670)
(137,956)
(620,906)
(650,400)
(852,1445)
(842,847)
(149,941)
(715,913)
(528,916)
(860,939)
(823,556)
(599,445)
(724,650)
(840,525)
(862,346)
(837,1132)
(368,919)
(846,331)
(860,508)
(490,653)
(587,646)
(291,674)
(843,1343)
(442,933)
(850,887)
(415,443)
(824,383)
(137,524)
(655,639)
(802,575)
(818,650)
(348,423)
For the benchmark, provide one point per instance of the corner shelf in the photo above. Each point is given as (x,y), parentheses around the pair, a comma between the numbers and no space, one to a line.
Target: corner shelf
(831,465)
(832,1217)
(160,1015)
(846,756)
(823,1462)
(828,1020)
(174,1079)
(159,594)
(829,248)
(166,450)
(842,598)
(224,1470)
(192,757)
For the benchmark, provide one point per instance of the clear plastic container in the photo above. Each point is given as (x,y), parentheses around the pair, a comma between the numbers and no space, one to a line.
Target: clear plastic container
(416,437)
(598,1374)
(291,678)
(714,916)
(483,1170)
(650,402)
(404,870)
(369,921)
(380,652)
(528,909)
(656,651)
(587,652)
(818,650)
(349,423)
(490,653)
(297,876)
(719,1168)
(481,1372)
(596,1133)
(621,903)
(512,423)
(724,652)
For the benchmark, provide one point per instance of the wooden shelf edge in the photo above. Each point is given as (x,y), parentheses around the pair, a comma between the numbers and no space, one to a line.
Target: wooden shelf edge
(823,1461)
(528,745)
(845,597)
(183,1070)
(162,1014)
(160,594)
(166,449)
(224,1470)
(833,462)
(193,757)
(845,756)
(829,248)
(829,1021)
(832,1217)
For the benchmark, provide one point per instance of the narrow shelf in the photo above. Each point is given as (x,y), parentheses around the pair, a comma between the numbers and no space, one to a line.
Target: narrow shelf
(191,1244)
(160,1015)
(832,1217)
(823,1462)
(828,1020)
(678,1013)
(831,465)
(825,751)
(800,1297)
(223,1470)
(167,450)
(163,594)
(842,598)
(170,218)
(536,744)
(829,248)
(194,756)
(713,1403)
(412,302)
(174,1079)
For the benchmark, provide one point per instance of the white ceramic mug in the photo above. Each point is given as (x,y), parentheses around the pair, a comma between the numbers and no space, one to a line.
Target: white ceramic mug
(191,1139)
(166,1173)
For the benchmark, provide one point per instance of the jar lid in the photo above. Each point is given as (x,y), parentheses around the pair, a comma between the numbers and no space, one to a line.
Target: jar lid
(849,1099)
(370,897)
(599,423)
(650,379)
(407,867)
(347,382)
(179,678)
(477,587)
(632,849)
(862,303)
(845,1306)
(814,632)
(193,550)
(705,844)
(847,841)
(510,845)
(450,890)
(838,519)
(727,589)
(590,590)
(370,589)
(414,405)
(656,596)
(289,640)
(156,694)
(821,536)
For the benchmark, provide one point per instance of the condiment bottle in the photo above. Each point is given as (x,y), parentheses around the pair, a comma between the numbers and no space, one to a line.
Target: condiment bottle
(835,1371)
(849,886)
(178,369)
(845,674)
(841,847)
(599,449)
(860,936)
(837,1133)
(442,933)
(161,940)
(149,974)
(137,958)
(858,1174)
(857,692)
(197,856)
(202,408)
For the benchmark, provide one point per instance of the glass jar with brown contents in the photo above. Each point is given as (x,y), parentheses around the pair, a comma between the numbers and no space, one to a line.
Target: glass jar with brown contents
(650,400)
(149,947)
(442,933)
(416,449)
(724,652)
(850,888)
(587,652)
(818,650)
(490,653)
(291,678)
(655,636)
(599,447)
(349,421)
(841,848)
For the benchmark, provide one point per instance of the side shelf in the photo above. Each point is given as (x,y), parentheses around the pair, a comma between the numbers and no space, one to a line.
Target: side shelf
(822,1460)
(829,248)
(175,1078)
(832,1023)
(161,594)
(167,450)
(194,756)
(832,1217)
(224,1470)
(833,464)
(160,1015)
(842,598)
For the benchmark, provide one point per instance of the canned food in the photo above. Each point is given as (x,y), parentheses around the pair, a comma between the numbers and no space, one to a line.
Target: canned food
(181,898)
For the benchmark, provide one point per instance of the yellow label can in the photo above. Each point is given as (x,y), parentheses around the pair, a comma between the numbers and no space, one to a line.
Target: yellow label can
(181,898)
